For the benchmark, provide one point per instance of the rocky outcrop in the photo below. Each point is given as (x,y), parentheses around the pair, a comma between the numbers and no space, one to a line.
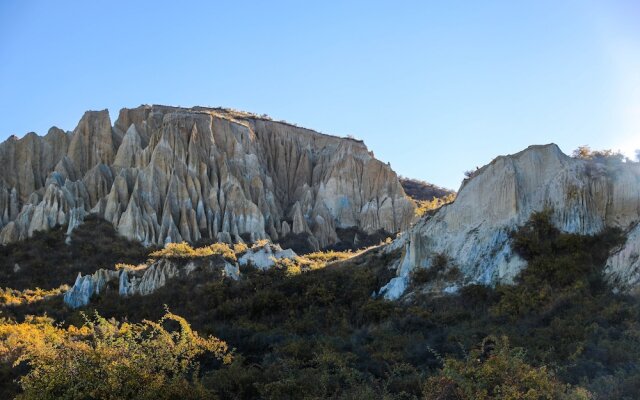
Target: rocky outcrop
(264,257)
(623,266)
(131,282)
(165,174)
(87,286)
(146,279)
(473,232)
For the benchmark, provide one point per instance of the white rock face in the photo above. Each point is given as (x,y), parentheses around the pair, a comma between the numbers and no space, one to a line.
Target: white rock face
(165,174)
(623,266)
(86,286)
(473,232)
(264,257)
(140,282)
(153,278)
(231,271)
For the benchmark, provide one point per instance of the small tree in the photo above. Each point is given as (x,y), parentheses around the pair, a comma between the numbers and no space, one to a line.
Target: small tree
(583,152)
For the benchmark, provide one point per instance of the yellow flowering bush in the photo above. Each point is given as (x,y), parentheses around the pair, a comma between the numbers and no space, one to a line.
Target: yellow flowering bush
(185,251)
(14,297)
(109,360)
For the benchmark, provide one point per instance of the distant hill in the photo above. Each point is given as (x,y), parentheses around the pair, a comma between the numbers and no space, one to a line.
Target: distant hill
(420,190)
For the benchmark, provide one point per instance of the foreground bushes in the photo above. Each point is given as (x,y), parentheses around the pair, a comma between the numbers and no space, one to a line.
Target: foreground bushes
(107,360)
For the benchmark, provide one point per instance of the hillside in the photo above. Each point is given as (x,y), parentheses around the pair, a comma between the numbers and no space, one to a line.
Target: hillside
(320,332)
(523,284)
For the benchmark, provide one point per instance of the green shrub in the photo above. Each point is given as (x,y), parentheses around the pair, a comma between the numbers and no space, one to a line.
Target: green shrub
(559,265)
(496,371)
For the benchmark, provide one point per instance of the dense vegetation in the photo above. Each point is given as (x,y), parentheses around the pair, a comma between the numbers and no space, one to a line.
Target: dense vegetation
(108,360)
(46,262)
(321,334)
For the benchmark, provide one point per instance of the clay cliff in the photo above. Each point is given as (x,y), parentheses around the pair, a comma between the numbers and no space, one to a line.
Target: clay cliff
(166,174)
(473,232)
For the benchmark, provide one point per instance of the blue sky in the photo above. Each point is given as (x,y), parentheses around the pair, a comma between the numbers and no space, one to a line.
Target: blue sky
(435,88)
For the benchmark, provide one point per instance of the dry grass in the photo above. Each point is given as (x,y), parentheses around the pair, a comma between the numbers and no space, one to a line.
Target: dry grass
(425,206)
(14,297)
(131,267)
(185,251)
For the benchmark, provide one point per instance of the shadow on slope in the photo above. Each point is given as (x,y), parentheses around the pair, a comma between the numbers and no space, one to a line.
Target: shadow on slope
(46,261)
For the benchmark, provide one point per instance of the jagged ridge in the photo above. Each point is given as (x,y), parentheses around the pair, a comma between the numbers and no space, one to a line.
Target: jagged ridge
(163,174)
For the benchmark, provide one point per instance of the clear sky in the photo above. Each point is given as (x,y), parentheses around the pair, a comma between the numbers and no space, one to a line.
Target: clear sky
(435,88)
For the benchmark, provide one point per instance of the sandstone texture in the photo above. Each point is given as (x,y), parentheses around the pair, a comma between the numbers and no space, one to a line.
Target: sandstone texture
(473,232)
(165,174)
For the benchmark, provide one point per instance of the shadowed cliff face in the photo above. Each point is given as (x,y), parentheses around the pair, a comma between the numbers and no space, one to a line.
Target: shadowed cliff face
(473,232)
(165,174)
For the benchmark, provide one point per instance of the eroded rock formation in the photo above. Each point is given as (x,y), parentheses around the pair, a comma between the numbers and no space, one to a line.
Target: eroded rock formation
(147,278)
(162,174)
(473,232)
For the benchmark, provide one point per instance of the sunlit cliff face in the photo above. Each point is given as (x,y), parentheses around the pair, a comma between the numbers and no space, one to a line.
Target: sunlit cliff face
(585,196)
